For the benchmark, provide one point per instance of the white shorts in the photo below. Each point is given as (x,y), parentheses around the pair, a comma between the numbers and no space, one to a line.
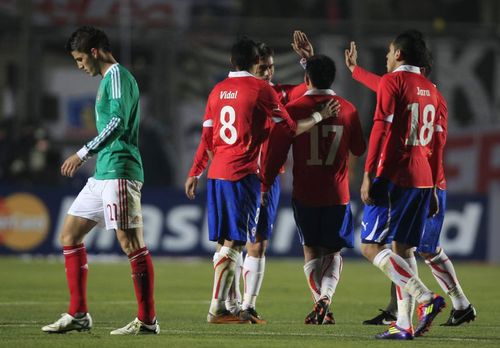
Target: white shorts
(116,201)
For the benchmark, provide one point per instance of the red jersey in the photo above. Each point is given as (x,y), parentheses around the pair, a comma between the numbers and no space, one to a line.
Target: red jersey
(401,138)
(287,93)
(284,93)
(366,77)
(320,156)
(234,126)
(372,81)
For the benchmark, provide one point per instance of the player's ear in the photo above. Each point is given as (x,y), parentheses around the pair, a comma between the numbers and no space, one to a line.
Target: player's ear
(398,54)
(94,52)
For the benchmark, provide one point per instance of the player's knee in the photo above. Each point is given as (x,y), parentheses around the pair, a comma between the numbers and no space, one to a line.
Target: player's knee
(427,256)
(369,251)
(67,239)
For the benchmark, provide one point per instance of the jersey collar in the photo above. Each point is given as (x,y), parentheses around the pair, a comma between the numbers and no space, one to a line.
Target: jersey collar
(320,92)
(109,69)
(242,73)
(408,68)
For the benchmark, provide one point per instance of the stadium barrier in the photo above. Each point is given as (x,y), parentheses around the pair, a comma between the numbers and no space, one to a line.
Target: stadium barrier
(174,226)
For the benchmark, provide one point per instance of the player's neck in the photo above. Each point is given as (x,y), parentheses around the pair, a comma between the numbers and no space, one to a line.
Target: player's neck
(107,61)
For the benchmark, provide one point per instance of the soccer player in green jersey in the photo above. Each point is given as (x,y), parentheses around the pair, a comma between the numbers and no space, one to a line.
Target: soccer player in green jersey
(112,196)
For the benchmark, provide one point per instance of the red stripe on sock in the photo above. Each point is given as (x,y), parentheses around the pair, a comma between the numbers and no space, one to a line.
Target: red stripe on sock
(399,269)
(312,283)
(398,292)
(217,288)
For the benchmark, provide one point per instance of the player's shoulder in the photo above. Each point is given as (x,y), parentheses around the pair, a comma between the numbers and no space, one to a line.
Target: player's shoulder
(344,103)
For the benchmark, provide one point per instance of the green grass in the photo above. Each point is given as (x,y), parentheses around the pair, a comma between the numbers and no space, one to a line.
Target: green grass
(33,293)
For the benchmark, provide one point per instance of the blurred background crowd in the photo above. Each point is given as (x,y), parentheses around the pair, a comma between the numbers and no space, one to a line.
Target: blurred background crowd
(178,49)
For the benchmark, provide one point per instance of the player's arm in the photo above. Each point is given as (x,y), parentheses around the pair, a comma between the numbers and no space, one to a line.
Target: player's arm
(303,47)
(118,111)
(203,154)
(437,157)
(367,78)
(330,109)
(440,134)
(384,113)
(113,130)
(200,163)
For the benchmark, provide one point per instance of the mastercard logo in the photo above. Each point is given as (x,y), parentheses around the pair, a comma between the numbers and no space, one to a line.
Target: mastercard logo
(24,221)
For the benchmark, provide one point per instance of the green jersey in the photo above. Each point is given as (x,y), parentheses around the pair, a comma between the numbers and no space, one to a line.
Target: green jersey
(117,117)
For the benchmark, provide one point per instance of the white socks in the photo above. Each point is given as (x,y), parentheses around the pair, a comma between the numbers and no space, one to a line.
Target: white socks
(224,269)
(233,300)
(444,272)
(398,270)
(323,275)
(312,270)
(253,275)
(406,302)
(331,269)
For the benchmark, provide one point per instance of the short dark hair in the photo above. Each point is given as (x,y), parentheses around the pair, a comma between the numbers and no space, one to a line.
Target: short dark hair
(264,50)
(244,54)
(321,71)
(412,46)
(87,37)
(427,63)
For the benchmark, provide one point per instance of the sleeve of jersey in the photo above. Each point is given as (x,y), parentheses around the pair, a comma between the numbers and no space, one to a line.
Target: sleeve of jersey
(440,133)
(207,133)
(282,130)
(358,143)
(200,161)
(113,129)
(297,91)
(367,78)
(384,113)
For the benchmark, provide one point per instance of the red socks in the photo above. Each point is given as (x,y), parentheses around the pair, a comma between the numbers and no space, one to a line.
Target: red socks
(75,260)
(143,277)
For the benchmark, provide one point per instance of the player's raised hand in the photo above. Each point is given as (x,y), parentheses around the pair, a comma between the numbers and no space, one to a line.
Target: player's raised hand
(351,56)
(302,45)
(71,165)
(190,186)
(330,109)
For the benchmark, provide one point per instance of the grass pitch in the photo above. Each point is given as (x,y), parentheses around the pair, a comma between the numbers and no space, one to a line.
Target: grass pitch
(33,293)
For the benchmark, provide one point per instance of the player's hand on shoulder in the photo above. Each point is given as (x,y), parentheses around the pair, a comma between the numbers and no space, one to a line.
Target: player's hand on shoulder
(71,165)
(190,186)
(330,109)
(351,56)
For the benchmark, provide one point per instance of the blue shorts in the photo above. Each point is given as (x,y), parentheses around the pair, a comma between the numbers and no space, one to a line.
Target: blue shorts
(329,227)
(399,214)
(268,214)
(430,237)
(233,209)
